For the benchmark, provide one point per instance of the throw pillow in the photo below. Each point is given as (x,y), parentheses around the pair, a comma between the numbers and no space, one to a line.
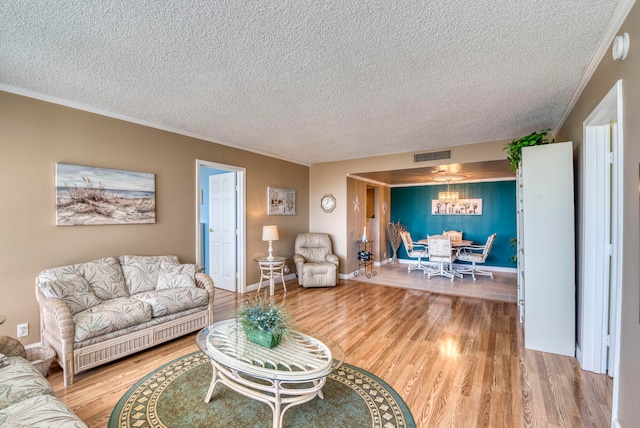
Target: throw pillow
(176,276)
(141,272)
(74,290)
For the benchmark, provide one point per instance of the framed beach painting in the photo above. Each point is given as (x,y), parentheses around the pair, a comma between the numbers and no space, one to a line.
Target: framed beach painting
(281,201)
(88,195)
(461,207)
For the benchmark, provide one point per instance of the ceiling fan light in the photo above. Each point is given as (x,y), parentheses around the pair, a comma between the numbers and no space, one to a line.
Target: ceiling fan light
(448,177)
(448,197)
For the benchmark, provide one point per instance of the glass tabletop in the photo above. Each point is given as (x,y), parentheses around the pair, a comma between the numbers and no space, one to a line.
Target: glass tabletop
(302,355)
(275,259)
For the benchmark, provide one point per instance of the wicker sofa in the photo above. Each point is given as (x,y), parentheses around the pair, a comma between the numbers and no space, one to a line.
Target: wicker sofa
(27,399)
(95,312)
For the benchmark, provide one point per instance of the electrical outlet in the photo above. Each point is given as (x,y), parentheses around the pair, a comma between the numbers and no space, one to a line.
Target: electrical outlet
(23,329)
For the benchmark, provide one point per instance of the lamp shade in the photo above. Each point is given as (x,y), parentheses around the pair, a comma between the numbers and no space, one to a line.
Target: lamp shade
(270,233)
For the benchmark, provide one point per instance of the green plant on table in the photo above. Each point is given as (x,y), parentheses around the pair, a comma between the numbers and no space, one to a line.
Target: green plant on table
(265,315)
(514,148)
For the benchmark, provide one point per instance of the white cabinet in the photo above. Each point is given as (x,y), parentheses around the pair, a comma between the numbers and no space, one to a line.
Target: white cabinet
(546,248)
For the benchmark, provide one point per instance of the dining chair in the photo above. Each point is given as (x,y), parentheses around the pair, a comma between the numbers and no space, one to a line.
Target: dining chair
(415,251)
(455,235)
(440,252)
(475,254)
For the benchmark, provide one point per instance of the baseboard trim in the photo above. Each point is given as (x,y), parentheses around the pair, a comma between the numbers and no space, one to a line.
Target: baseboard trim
(481,267)
(254,286)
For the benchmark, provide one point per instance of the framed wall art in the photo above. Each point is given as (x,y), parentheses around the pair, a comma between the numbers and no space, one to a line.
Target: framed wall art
(461,207)
(88,195)
(281,201)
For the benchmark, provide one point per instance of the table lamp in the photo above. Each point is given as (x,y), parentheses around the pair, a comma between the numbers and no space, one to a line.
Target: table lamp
(270,233)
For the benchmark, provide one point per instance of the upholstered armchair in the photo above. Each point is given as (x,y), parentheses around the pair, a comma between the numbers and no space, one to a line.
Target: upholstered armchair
(316,265)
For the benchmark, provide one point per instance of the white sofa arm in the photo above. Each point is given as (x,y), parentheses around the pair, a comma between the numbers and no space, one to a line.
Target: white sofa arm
(205,282)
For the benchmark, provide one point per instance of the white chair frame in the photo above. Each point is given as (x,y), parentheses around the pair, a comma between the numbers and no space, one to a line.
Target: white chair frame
(415,251)
(475,254)
(441,252)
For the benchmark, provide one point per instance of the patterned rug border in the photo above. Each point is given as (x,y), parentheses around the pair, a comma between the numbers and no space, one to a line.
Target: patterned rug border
(386,390)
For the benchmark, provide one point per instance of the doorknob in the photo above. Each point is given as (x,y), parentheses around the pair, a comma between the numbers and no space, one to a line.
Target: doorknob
(210,230)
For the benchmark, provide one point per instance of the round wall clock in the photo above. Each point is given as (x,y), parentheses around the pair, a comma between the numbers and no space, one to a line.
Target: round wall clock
(328,203)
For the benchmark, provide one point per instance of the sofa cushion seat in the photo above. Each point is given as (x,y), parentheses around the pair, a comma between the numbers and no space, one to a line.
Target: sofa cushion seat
(173,300)
(20,380)
(41,411)
(109,316)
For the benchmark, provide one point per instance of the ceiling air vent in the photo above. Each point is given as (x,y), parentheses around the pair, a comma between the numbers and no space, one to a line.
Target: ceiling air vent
(432,156)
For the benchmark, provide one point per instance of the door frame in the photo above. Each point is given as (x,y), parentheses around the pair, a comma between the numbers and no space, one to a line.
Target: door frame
(601,318)
(241,219)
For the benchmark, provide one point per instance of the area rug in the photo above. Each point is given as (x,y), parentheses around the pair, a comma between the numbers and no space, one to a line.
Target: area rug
(173,396)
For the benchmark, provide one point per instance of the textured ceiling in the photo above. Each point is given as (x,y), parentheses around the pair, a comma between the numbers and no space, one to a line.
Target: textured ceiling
(310,81)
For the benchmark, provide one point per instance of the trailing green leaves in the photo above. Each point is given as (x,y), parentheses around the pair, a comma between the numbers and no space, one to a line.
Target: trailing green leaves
(514,148)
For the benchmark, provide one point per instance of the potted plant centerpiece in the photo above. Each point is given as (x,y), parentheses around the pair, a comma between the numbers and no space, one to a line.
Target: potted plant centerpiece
(264,321)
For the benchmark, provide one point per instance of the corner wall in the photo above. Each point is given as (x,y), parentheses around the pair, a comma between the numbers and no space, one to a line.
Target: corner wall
(627,412)
(36,134)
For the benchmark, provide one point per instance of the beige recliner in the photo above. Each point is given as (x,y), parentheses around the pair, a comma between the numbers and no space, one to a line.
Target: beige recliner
(316,265)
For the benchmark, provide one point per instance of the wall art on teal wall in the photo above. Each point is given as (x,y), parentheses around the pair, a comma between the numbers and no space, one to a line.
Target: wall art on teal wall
(461,207)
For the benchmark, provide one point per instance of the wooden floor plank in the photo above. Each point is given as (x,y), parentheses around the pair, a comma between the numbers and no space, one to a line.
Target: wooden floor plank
(456,361)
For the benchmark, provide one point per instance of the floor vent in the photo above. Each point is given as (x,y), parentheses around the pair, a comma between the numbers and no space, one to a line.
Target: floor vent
(431,156)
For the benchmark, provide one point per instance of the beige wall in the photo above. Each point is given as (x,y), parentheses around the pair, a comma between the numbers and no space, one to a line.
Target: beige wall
(331,177)
(607,74)
(35,135)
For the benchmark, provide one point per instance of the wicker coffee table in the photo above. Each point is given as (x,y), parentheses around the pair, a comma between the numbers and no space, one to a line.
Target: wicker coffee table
(288,375)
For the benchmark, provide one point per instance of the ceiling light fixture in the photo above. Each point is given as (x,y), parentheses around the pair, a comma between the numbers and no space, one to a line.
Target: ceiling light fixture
(448,177)
(448,197)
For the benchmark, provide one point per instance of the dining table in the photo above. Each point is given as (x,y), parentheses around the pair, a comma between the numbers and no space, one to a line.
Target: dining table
(454,244)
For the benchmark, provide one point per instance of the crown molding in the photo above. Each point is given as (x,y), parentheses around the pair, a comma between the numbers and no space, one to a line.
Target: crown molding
(618,18)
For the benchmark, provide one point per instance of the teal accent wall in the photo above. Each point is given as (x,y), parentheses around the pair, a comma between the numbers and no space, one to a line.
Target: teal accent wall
(412,207)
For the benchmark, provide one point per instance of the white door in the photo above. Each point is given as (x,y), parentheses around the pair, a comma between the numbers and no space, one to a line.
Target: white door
(601,243)
(596,248)
(222,230)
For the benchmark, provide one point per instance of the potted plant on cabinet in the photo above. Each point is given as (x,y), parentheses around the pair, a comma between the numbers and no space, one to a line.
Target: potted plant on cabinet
(514,148)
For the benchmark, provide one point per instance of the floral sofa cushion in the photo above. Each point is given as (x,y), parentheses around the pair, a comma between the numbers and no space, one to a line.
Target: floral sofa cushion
(171,301)
(141,272)
(41,411)
(74,290)
(104,276)
(176,276)
(20,380)
(112,315)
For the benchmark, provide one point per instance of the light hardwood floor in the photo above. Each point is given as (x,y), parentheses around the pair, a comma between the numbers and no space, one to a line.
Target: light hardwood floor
(502,287)
(456,361)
